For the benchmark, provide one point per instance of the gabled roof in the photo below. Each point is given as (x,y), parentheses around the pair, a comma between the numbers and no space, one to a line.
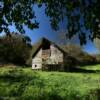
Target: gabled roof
(38,46)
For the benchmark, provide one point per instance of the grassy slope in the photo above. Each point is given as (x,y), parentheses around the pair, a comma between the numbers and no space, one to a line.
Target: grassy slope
(26,84)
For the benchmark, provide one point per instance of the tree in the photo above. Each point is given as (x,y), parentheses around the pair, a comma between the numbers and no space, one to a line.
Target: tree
(14,49)
(82,57)
(20,12)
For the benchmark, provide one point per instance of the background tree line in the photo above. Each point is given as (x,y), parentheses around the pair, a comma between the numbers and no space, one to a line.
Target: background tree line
(78,57)
(15,49)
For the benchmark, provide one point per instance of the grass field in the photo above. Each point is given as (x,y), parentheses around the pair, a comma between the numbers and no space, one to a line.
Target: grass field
(26,84)
(93,67)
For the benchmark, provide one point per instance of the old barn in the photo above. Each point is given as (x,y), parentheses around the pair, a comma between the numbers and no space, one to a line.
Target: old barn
(48,55)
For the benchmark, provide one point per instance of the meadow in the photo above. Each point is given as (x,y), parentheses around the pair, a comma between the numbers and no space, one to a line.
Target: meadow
(26,84)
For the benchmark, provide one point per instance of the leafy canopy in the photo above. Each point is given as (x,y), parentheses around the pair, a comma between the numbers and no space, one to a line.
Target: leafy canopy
(20,12)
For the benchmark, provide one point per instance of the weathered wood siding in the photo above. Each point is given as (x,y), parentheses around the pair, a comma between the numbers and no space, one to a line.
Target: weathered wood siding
(37,61)
(56,55)
(51,56)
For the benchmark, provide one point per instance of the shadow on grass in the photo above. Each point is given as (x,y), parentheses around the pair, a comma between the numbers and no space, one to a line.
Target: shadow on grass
(76,69)
(17,76)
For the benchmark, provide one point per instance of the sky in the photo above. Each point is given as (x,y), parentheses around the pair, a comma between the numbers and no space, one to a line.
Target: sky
(45,30)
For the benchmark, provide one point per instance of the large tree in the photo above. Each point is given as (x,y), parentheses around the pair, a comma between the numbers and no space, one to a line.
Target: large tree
(20,13)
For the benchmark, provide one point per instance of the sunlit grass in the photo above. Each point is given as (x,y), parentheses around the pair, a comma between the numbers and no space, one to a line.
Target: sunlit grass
(26,84)
(92,67)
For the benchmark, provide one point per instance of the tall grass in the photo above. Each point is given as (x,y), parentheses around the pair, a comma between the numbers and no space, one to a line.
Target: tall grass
(26,84)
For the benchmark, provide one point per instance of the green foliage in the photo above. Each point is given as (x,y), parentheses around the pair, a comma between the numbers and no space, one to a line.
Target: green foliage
(20,12)
(14,49)
(26,84)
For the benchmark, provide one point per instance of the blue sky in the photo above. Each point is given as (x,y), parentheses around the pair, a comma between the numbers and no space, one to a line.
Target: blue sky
(45,30)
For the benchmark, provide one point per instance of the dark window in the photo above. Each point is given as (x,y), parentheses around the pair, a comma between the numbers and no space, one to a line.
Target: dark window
(35,65)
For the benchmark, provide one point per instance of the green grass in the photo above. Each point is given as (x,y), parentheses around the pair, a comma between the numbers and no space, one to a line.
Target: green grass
(93,67)
(26,84)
